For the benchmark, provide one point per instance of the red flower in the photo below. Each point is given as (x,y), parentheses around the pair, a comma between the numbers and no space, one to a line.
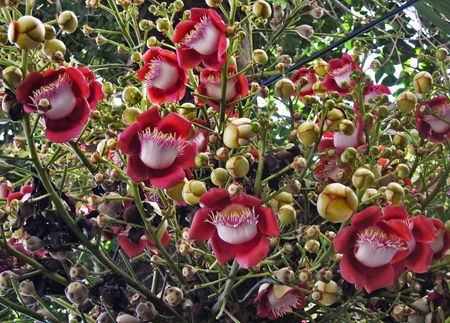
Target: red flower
(236,226)
(306,75)
(202,38)
(442,242)
(372,91)
(23,195)
(65,97)
(211,86)
(274,301)
(157,148)
(338,78)
(165,79)
(95,88)
(5,188)
(433,119)
(201,136)
(370,244)
(133,249)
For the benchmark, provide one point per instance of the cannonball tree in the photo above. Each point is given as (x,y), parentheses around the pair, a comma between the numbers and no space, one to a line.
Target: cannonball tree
(224,161)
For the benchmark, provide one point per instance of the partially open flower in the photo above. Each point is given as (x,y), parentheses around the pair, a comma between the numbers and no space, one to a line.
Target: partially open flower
(238,133)
(304,79)
(337,203)
(12,75)
(157,148)
(211,86)
(27,32)
(433,119)
(329,292)
(338,79)
(64,97)
(373,91)
(202,38)
(164,78)
(275,301)
(235,225)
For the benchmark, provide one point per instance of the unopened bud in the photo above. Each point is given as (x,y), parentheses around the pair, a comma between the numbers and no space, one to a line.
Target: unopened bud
(394,194)
(219,177)
(423,82)
(26,33)
(262,9)
(68,21)
(192,191)
(237,166)
(284,88)
(305,31)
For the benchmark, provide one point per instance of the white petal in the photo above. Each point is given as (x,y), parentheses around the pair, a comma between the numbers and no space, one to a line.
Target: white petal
(62,102)
(237,235)
(373,255)
(167,76)
(206,40)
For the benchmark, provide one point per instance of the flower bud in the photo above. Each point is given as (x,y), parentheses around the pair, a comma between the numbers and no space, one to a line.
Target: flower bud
(5,279)
(238,133)
(173,296)
(213,3)
(26,288)
(337,202)
(52,46)
(284,275)
(131,95)
(334,117)
(406,102)
(321,67)
(188,271)
(402,171)
(129,115)
(278,11)
(305,31)
(77,293)
(127,318)
(363,178)
(299,163)
(188,110)
(78,272)
(176,192)
(237,166)
(192,191)
(316,13)
(369,194)
(262,9)
(108,88)
(50,32)
(400,140)
(162,24)
(287,214)
(308,133)
(284,88)
(235,189)
(441,54)
(68,21)
(348,154)
(146,311)
(329,292)
(12,75)
(260,57)
(283,198)
(423,82)
(312,246)
(201,160)
(394,194)
(33,243)
(27,32)
(347,127)
(219,177)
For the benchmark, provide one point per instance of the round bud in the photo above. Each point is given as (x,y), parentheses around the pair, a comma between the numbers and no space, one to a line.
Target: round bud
(312,246)
(400,140)
(33,243)
(27,32)
(192,191)
(12,75)
(284,275)
(5,279)
(402,171)
(213,3)
(188,110)
(68,21)
(131,95)
(308,133)
(337,202)
(201,160)
(235,189)
(50,32)
(369,194)
(299,163)
(406,102)
(129,115)
(284,88)
(162,24)
(283,198)
(237,166)
(363,178)
(52,46)
(173,296)
(441,54)
(77,293)
(260,57)
(321,67)
(394,194)
(287,214)
(78,272)
(127,318)
(262,9)
(329,292)
(26,288)
(423,82)
(146,311)
(347,127)
(238,133)
(219,177)
(305,31)
(108,88)
(316,12)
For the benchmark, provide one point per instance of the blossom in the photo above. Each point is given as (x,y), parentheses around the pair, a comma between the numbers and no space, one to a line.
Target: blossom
(433,119)
(64,97)
(373,91)
(157,148)
(22,195)
(211,86)
(274,301)
(338,79)
(379,244)
(236,226)
(442,243)
(164,78)
(5,188)
(304,79)
(202,38)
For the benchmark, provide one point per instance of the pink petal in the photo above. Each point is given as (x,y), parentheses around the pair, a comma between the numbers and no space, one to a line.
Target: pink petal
(166,178)
(149,119)
(136,169)
(176,124)
(345,240)
(187,57)
(129,247)
(129,140)
(267,221)
(181,30)
(366,218)
(216,198)
(395,212)
(224,251)
(424,229)
(419,260)
(253,252)
(379,277)
(200,228)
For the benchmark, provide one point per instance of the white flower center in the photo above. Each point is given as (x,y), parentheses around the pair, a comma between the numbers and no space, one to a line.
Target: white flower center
(204,38)
(235,224)
(375,249)
(342,76)
(214,89)
(159,150)
(438,244)
(343,141)
(60,96)
(161,75)
(439,125)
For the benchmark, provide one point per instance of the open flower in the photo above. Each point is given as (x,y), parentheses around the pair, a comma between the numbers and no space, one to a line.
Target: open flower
(376,247)
(373,91)
(236,226)
(95,88)
(164,78)
(304,79)
(5,188)
(433,119)
(442,243)
(211,86)
(23,195)
(157,148)
(338,79)
(274,301)
(202,38)
(64,97)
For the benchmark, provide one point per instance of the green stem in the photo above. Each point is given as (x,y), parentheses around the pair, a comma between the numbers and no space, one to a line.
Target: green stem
(261,153)
(21,309)
(221,303)
(82,157)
